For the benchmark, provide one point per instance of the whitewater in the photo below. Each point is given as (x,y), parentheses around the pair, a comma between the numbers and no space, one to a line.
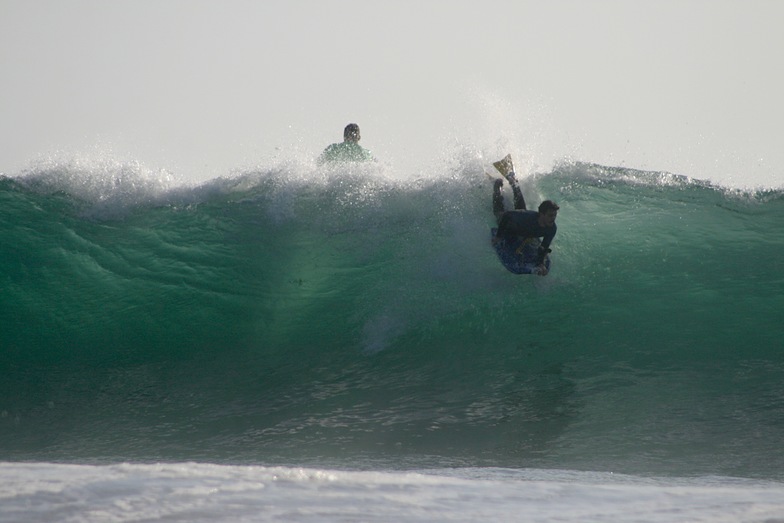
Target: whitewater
(304,343)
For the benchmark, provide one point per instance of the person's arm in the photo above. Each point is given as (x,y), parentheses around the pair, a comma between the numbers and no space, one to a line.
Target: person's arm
(323,157)
(544,248)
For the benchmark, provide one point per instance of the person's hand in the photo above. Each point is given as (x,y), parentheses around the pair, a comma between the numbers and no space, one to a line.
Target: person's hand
(541,270)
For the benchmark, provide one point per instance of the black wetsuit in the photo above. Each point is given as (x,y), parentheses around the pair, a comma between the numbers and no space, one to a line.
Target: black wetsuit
(526,224)
(521,222)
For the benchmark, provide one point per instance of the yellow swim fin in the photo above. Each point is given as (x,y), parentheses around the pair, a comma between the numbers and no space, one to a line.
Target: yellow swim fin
(505,166)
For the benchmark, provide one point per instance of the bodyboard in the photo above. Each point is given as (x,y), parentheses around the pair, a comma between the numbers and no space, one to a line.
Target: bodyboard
(519,256)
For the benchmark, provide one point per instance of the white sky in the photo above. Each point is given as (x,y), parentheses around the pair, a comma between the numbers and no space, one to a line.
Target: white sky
(200,87)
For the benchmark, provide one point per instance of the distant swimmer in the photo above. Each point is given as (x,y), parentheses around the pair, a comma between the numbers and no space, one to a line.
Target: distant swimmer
(520,225)
(347,151)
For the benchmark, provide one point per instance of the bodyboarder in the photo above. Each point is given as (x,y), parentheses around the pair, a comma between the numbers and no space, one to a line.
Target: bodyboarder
(348,150)
(520,223)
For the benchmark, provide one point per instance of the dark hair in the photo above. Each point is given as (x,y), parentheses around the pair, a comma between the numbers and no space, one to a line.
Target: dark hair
(351,131)
(547,206)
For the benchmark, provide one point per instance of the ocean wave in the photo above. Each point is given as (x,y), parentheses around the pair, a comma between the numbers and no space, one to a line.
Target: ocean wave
(299,311)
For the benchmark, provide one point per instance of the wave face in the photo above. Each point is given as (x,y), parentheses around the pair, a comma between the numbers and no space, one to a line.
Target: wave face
(296,315)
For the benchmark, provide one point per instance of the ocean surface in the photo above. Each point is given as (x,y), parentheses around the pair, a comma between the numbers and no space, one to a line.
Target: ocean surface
(298,343)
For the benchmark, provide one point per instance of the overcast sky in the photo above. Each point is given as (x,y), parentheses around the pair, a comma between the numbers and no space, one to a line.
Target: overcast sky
(200,87)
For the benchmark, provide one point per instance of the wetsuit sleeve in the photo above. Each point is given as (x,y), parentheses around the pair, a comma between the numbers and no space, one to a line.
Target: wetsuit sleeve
(544,248)
(548,237)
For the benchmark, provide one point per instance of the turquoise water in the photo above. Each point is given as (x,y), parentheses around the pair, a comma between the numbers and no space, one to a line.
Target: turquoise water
(348,318)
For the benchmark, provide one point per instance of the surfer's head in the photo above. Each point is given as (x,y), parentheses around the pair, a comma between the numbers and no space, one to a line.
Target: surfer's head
(548,212)
(351,133)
